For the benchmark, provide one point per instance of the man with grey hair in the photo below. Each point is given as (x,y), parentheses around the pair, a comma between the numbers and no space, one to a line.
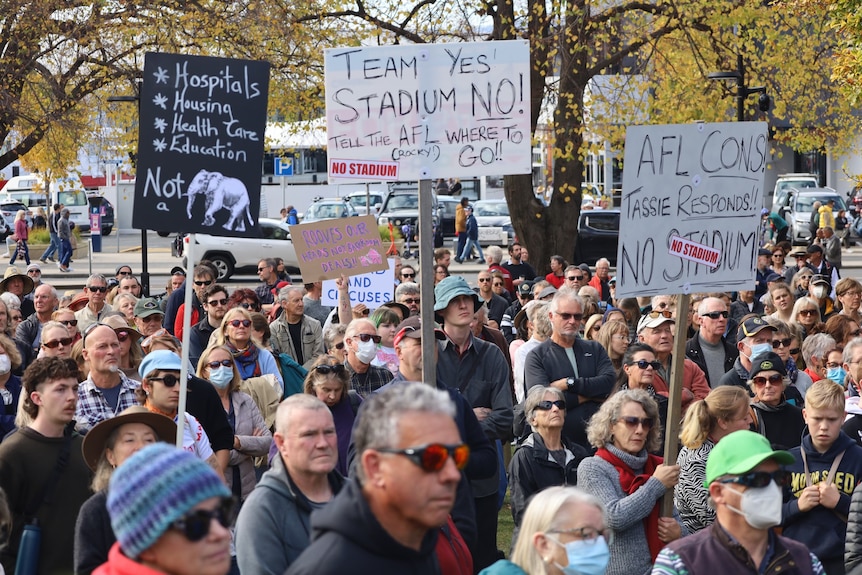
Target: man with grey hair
(579,368)
(407,293)
(294,333)
(409,461)
(753,339)
(709,348)
(274,524)
(28,335)
(494,254)
(574,277)
(601,278)
(361,341)
(96,288)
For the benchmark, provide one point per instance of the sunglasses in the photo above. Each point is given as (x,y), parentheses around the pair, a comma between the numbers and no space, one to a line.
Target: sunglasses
(410,300)
(240,322)
(65,341)
(774,379)
(253,306)
(366,312)
(69,322)
(195,525)
(89,330)
(643,364)
(262,269)
(324,369)
(574,278)
(633,422)
(365,337)
(201,283)
(339,345)
(122,334)
(808,312)
(100,289)
(794,350)
(546,405)
(124,273)
(665,313)
(776,343)
(216,302)
(169,379)
(433,457)
(715,314)
(760,479)
(224,362)
(408,276)
(483,280)
(570,316)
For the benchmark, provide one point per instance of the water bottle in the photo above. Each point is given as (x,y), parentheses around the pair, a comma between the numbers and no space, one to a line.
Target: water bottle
(28,551)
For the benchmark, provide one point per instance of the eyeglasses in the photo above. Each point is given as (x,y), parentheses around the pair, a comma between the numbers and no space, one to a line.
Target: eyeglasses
(633,422)
(201,283)
(774,379)
(643,364)
(715,314)
(410,300)
(776,343)
(433,457)
(574,278)
(253,306)
(69,322)
(58,342)
(324,369)
(240,322)
(483,280)
(149,341)
(832,364)
(365,337)
(569,316)
(216,364)
(664,313)
(808,312)
(853,293)
(99,289)
(218,302)
(760,478)
(587,534)
(195,525)
(168,379)
(408,276)
(547,405)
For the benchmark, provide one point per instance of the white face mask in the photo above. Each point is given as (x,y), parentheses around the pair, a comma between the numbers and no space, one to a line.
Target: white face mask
(818,291)
(760,506)
(5,364)
(366,351)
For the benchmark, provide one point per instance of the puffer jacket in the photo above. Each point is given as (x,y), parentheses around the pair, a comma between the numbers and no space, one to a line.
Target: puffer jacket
(853,541)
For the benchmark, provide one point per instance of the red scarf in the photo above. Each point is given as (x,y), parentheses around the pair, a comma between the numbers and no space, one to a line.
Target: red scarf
(631,483)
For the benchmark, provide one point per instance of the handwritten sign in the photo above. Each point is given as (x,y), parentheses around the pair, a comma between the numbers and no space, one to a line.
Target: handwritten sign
(691,190)
(363,170)
(328,248)
(373,289)
(439,110)
(200,146)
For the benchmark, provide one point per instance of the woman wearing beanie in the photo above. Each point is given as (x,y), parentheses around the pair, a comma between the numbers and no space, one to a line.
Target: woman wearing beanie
(170,513)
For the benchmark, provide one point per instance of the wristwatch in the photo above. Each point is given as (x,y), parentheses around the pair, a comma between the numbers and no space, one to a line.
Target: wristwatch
(570,383)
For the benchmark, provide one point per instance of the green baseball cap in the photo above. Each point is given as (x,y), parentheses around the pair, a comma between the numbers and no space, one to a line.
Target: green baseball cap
(739,453)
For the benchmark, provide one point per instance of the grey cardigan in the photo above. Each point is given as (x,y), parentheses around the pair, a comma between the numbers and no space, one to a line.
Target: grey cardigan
(248,418)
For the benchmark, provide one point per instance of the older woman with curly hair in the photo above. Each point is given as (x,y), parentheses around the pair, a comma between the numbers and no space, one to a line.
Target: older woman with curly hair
(630,481)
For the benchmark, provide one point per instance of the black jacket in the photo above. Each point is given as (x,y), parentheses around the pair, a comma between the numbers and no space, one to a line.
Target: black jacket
(347,538)
(739,309)
(694,351)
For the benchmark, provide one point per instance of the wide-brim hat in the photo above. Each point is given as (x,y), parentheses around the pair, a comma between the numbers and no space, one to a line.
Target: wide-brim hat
(12,272)
(79,302)
(97,437)
(119,323)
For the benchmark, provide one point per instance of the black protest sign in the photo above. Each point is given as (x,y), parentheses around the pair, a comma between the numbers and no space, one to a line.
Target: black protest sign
(200,147)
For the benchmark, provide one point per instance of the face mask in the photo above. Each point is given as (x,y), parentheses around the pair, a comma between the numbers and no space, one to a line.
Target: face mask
(221,376)
(5,364)
(818,291)
(586,557)
(366,351)
(760,506)
(759,349)
(836,374)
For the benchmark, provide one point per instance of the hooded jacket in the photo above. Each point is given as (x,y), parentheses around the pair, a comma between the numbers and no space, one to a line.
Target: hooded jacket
(274,524)
(821,529)
(348,538)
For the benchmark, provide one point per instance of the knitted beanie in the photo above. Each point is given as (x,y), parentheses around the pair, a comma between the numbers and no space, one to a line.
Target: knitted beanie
(152,489)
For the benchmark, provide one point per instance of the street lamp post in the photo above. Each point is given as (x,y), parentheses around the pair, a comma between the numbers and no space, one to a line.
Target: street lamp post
(742,91)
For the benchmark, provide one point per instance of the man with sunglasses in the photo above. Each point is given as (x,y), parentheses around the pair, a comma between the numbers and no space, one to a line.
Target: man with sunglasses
(495,304)
(745,481)
(96,290)
(407,274)
(215,303)
(709,348)
(361,340)
(294,333)
(407,293)
(386,518)
(203,275)
(274,524)
(268,281)
(28,335)
(148,316)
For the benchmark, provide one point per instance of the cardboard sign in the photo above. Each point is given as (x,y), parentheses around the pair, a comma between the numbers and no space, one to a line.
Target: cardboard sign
(363,170)
(691,190)
(200,146)
(326,249)
(438,110)
(373,289)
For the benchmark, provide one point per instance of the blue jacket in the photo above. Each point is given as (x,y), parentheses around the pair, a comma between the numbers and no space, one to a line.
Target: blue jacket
(472,227)
(822,530)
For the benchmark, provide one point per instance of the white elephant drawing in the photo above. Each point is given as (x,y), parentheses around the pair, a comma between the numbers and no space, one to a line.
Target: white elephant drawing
(221,192)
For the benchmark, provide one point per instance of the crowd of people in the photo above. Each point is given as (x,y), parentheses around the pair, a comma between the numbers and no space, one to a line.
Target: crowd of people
(308,445)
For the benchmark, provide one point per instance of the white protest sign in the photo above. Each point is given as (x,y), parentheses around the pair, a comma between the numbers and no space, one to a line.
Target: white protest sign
(439,110)
(373,289)
(690,209)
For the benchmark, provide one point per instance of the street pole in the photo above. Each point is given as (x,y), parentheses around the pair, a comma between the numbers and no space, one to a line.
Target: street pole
(741,91)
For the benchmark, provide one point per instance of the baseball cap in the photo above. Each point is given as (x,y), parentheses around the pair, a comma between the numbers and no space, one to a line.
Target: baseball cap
(412,328)
(740,452)
(820,279)
(146,307)
(764,252)
(178,270)
(764,211)
(525,289)
(774,277)
(751,327)
(769,362)
(647,320)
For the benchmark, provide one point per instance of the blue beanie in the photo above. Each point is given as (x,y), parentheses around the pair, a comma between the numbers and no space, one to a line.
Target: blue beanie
(152,489)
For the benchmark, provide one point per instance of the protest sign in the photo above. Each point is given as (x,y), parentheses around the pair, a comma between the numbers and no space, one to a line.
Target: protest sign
(373,289)
(326,249)
(200,146)
(439,110)
(363,169)
(690,208)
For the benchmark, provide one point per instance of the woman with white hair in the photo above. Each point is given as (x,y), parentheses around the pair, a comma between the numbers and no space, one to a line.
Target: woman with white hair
(563,531)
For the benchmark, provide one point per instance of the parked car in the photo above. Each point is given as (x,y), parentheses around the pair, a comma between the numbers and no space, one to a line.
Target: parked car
(232,255)
(327,209)
(401,206)
(9,208)
(797,212)
(493,217)
(360,201)
(787,182)
(598,236)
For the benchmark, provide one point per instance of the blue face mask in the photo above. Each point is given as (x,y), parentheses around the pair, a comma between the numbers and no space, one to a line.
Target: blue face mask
(586,556)
(760,349)
(221,376)
(836,374)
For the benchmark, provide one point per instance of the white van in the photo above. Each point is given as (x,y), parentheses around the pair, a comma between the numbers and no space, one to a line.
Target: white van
(68,191)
